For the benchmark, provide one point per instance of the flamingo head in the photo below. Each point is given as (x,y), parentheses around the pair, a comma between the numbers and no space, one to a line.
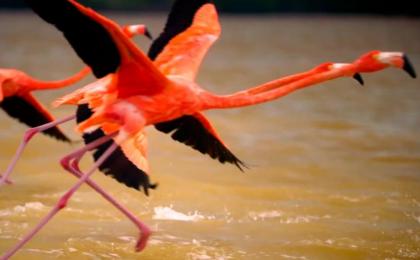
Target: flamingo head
(329,66)
(132,30)
(378,60)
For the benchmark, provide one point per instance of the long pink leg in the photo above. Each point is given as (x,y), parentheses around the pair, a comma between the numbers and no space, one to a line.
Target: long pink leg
(26,138)
(70,163)
(62,201)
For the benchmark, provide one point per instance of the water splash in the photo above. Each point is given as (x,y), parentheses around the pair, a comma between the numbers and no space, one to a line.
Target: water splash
(168,213)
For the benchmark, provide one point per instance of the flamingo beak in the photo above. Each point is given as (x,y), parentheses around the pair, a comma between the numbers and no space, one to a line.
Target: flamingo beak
(359,79)
(356,76)
(408,67)
(148,34)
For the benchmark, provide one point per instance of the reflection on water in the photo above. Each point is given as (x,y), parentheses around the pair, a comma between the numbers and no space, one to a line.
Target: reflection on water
(334,169)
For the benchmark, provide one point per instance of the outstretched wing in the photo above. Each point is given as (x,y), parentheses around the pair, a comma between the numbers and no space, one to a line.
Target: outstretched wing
(91,41)
(102,45)
(183,54)
(183,22)
(197,132)
(29,111)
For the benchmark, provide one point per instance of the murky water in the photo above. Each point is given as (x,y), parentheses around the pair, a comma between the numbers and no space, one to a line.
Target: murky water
(335,169)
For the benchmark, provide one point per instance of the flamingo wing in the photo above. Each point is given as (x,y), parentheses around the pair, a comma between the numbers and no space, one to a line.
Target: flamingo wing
(183,54)
(118,166)
(29,111)
(197,132)
(91,41)
(194,131)
(102,45)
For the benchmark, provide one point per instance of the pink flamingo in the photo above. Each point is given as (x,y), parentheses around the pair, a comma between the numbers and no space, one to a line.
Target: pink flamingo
(18,102)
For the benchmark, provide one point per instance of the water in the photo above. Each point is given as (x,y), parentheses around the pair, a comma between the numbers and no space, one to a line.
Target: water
(335,169)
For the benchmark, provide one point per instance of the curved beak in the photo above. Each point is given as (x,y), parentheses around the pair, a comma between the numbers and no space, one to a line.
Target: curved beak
(148,34)
(359,78)
(408,67)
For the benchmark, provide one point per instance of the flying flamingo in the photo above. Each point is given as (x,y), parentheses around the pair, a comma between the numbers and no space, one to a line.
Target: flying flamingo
(16,99)
(18,102)
(140,93)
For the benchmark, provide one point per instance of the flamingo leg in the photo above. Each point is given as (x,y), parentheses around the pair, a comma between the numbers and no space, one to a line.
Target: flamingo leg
(26,138)
(62,202)
(71,165)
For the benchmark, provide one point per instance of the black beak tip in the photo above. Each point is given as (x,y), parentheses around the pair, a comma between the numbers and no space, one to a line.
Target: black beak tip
(408,67)
(359,78)
(148,34)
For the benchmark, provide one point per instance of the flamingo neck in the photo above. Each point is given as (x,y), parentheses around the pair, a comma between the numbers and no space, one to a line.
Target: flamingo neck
(39,85)
(273,90)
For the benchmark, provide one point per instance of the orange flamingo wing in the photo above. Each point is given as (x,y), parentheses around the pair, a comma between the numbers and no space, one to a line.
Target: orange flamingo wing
(29,111)
(189,129)
(135,148)
(183,55)
(102,45)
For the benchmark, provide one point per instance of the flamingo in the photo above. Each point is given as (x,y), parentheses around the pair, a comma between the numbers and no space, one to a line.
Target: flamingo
(18,102)
(138,92)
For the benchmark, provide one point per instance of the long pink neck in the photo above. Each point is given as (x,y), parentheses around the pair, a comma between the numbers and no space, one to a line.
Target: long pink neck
(38,85)
(276,90)
(280,82)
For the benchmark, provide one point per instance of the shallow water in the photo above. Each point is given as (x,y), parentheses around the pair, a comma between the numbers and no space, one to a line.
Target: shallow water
(334,169)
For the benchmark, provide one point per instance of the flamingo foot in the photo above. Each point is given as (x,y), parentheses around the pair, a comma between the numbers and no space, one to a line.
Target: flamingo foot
(143,238)
(70,163)
(5,181)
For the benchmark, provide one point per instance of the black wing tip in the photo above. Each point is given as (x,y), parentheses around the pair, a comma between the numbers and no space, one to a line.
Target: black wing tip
(242,166)
(134,180)
(408,67)
(58,135)
(189,131)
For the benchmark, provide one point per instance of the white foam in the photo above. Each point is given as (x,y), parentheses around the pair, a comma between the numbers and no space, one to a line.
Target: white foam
(168,213)
(19,209)
(265,214)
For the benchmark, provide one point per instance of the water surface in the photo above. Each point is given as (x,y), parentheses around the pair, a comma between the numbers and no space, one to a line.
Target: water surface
(334,169)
